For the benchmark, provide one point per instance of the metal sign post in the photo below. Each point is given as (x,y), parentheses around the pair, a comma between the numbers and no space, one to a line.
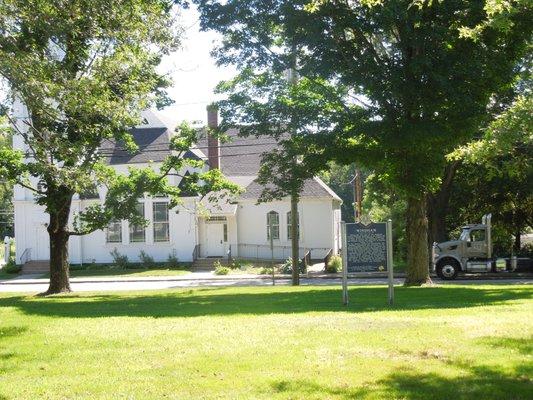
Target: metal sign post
(390,265)
(344,265)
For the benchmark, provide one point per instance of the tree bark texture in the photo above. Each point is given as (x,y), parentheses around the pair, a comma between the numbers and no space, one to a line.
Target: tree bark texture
(59,236)
(417,249)
(437,206)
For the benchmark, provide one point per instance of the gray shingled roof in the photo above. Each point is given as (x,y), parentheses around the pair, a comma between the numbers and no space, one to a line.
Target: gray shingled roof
(153,146)
(240,157)
(312,188)
(153,139)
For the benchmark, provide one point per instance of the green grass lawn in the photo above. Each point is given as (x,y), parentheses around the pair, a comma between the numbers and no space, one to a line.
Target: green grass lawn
(110,272)
(129,272)
(452,342)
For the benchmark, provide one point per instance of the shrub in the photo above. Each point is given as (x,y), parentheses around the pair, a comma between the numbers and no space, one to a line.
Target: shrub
(220,269)
(265,271)
(77,267)
(11,267)
(147,261)
(172,260)
(98,267)
(526,250)
(334,265)
(120,260)
(241,264)
(286,268)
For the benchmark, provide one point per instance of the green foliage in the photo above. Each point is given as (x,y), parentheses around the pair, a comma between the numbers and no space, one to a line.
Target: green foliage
(6,189)
(220,269)
(11,267)
(338,178)
(334,264)
(84,71)
(265,271)
(526,250)
(286,267)
(172,260)
(147,261)
(381,202)
(120,260)
(241,264)
(390,85)
(476,191)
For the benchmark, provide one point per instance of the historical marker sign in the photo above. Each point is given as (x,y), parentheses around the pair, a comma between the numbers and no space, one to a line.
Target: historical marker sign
(366,247)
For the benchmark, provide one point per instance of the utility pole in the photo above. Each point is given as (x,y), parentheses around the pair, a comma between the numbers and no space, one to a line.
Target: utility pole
(357,195)
(293,79)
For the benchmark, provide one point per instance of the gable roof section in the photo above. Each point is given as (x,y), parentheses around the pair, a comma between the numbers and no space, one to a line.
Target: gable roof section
(240,157)
(153,146)
(153,139)
(313,188)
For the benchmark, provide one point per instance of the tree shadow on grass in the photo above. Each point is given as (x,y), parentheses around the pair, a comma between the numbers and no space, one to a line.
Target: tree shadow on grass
(9,331)
(522,345)
(284,300)
(475,382)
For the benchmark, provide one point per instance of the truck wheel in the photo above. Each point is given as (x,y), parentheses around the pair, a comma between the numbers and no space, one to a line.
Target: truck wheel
(447,269)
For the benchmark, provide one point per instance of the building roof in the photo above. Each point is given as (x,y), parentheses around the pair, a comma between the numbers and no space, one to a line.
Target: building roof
(312,188)
(240,157)
(152,137)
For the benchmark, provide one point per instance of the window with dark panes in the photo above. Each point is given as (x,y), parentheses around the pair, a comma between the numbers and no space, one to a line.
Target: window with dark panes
(114,232)
(161,223)
(273,225)
(138,232)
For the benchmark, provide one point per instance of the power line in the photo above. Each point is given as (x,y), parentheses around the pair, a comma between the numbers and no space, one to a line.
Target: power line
(203,158)
(166,146)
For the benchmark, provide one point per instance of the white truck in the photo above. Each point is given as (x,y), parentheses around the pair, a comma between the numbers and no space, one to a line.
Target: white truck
(471,253)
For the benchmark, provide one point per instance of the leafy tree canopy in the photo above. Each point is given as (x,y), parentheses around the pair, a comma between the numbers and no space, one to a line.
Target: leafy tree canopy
(84,70)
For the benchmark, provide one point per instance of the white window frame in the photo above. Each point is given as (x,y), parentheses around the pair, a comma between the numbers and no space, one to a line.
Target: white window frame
(134,228)
(275,225)
(114,224)
(155,223)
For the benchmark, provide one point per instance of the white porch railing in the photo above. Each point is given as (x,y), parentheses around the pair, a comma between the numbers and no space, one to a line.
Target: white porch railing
(26,256)
(264,252)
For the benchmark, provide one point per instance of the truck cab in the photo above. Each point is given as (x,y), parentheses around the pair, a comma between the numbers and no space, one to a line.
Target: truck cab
(472,252)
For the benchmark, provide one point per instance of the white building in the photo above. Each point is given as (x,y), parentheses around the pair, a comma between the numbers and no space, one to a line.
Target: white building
(239,228)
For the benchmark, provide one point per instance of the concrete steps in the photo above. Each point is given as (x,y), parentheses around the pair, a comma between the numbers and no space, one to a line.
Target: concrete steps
(206,264)
(36,267)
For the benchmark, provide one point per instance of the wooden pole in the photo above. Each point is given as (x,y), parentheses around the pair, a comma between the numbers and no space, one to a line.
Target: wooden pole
(390,266)
(344,265)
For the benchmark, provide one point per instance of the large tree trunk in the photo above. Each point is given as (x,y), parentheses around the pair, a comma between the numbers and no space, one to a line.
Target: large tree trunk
(437,206)
(417,249)
(517,245)
(295,241)
(59,268)
(59,236)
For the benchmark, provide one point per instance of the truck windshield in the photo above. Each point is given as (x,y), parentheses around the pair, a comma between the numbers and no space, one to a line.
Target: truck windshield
(465,235)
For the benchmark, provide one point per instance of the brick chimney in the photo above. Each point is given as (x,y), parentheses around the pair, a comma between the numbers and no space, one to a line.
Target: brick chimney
(213,143)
